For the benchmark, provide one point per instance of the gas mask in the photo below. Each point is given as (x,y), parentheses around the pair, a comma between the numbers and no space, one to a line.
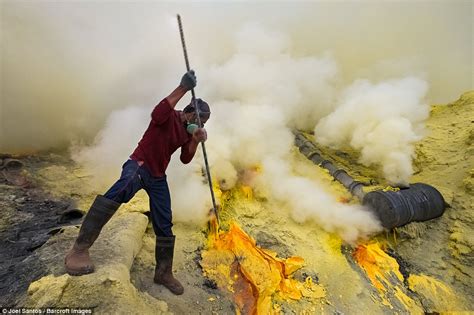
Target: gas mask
(190,128)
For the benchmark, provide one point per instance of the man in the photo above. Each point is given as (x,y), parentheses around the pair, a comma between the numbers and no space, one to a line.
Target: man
(168,130)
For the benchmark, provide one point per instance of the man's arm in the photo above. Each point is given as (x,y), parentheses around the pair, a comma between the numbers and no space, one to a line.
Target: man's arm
(188,81)
(176,95)
(163,110)
(189,149)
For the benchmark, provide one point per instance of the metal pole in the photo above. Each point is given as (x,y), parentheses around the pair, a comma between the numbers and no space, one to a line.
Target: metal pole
(214,208)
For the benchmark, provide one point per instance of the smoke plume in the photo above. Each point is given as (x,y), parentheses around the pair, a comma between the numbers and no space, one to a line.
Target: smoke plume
(382,121)
(66,65)
(269,92)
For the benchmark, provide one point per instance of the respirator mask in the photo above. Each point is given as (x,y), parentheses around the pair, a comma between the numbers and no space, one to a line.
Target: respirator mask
(190,128)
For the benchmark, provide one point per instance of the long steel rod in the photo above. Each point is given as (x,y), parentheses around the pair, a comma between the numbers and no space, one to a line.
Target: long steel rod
(214,208)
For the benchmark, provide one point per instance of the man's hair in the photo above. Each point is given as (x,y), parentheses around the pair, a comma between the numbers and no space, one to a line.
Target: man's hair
(204,109)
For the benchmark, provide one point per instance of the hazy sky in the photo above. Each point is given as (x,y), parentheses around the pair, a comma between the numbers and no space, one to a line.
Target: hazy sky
(65,65)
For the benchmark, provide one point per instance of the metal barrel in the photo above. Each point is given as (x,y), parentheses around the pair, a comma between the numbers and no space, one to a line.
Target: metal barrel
(420,202)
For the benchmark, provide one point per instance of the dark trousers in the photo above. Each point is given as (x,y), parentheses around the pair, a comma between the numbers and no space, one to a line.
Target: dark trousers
(135,177)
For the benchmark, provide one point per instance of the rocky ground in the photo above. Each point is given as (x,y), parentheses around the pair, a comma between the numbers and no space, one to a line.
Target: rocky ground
(41,197)
(30,216)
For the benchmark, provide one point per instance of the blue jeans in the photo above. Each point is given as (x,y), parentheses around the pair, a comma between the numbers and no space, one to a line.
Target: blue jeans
(135,177)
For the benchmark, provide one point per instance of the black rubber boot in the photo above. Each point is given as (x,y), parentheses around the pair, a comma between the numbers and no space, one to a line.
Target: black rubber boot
(164,251)
(77,260)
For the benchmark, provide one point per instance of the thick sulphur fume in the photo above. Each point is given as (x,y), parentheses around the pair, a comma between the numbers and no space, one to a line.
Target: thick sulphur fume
(80,79)
(67,65)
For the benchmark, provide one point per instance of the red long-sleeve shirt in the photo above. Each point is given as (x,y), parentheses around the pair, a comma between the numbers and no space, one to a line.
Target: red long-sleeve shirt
(164,135)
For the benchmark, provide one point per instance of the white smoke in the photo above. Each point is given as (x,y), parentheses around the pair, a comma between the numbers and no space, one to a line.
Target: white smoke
(257,96)
(307,201)
(382,121)
(189,193)
(112,145)
(67,64)
(262,71)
